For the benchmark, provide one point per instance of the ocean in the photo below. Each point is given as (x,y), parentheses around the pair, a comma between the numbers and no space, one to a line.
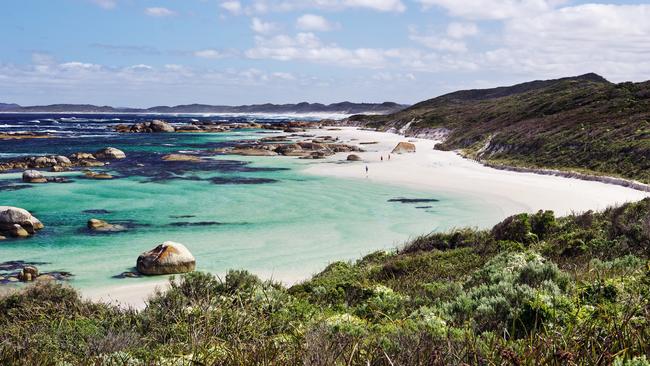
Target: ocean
(262,214)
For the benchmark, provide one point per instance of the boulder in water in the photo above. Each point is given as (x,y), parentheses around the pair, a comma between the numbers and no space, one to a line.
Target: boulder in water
(110,153)
(404,147)
(33,176)
(18,222)
(181,157)
(103,226)
(353,157)
(167,258)
(161,126)
(93,175)
(82,156)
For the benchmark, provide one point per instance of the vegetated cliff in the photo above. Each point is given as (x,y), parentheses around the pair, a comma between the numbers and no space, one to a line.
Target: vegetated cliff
(582,123)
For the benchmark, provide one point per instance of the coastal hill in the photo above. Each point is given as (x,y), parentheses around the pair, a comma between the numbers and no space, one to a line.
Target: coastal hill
(583,123)
(343,107)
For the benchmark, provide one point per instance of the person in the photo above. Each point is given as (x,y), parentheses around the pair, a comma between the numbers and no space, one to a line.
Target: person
(366,169)
(388,156)
(382,158)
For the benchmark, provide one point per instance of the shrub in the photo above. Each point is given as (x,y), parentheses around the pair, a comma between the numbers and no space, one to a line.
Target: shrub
(515,228)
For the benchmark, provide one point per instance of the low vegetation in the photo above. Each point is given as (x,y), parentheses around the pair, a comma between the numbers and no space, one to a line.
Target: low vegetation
(535,289)
(583,124)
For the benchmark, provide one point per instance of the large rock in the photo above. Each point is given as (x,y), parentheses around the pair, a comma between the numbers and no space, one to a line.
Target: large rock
(18,222)
(161,126)
(167,258)
(28,273)
(110,153)
(103,226)
(62,160)
(404,147)
(252,152)
(353,157)
(33,176)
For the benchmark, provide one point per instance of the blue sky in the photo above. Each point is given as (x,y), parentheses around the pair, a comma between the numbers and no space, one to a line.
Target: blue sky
(153,52)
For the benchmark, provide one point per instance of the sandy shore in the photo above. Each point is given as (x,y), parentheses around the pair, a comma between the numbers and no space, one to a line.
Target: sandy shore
(432,171)
(442,171)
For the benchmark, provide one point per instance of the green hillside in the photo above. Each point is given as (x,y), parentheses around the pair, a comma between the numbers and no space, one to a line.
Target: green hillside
(582,123)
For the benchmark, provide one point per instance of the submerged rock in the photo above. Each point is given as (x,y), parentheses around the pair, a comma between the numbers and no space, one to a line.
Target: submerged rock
(93,175)
(167,258)
(103,226)
(18,222)
(181,157)
(404,147)
(33,176)
(110,153)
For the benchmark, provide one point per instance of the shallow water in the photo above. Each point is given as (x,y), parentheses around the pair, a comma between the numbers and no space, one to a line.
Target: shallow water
(261,214)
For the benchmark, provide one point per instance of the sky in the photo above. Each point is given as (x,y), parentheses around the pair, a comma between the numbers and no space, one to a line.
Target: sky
(143,53)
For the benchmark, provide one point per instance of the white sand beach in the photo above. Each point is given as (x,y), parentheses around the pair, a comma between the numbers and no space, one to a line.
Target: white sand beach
(442,171)
(432,171)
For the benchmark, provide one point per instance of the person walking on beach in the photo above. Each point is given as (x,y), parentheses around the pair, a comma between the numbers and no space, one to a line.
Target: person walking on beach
(382,158)
(388,156)
(366,170)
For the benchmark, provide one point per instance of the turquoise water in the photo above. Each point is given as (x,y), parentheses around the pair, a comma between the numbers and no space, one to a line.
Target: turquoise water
(288,227)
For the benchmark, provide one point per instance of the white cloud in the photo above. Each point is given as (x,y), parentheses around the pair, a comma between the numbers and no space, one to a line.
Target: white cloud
(261,6)
(159,12)
(389,76)
(209,53)
(106,4)
(283,76)
(139,68)
(259,26)
(613,40)
(233,7)
(461,30)
(437,42)
(308,47)
(312,22)
(493,9)
(380,5)
(79,66)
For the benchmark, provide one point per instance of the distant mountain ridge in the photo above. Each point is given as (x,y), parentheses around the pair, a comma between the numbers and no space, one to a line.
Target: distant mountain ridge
(582,123)
(343,107)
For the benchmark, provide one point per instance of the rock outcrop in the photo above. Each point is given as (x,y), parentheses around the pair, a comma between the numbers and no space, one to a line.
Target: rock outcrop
(155,126)
(18,222)
(167,258)
(404,147)
(353,157)
(110,153)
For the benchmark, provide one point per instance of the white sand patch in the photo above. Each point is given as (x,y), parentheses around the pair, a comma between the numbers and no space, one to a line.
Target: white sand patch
(441,171)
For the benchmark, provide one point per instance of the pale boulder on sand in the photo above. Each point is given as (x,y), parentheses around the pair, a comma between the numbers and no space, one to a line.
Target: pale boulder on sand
(167,258)
(16,221)
(404,147)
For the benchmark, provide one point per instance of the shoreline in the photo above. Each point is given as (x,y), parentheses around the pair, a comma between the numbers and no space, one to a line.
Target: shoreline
(427,170)
(627,183)
(432,170)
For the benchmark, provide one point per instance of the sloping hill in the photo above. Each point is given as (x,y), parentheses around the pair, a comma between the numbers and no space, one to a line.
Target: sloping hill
(582,123)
